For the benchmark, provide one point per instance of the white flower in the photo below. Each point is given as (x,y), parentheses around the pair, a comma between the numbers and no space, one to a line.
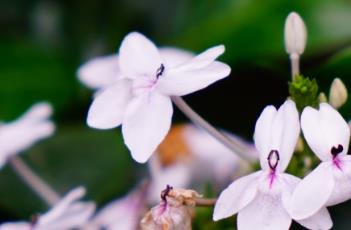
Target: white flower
(263,198)
(69,213)
(295,34)
(140,100)
(20,134)
(124,213)
(184,156)
(328,135)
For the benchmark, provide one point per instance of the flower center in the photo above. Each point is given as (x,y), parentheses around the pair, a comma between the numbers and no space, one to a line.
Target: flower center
(273,159)
(336,150)
(165,193)
(159,71)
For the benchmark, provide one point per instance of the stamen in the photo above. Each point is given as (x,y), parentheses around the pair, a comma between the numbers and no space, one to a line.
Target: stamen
(160,71)
(165,192)
(336,150)
(273,158)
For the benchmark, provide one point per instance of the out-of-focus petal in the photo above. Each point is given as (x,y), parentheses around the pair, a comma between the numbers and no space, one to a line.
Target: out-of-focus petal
(313,192)
(146,123)
(265,212)
(138,56)
(236,196)
(21,225)
(39,111)
(180,83)
(108,108)
(100,72)
(173,57)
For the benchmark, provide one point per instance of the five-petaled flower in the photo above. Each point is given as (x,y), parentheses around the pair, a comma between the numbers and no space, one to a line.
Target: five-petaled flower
(20,134)
(263,198)
(140,100)
(328,135)
(68,213)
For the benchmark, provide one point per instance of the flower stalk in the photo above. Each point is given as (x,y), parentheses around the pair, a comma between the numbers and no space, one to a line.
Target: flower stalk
(37,184)
(231,144)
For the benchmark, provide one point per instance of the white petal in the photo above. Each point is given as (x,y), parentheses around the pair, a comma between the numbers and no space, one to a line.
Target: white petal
(236,196)
(265,212)
(173,57)
(342,188)
(184,82)
(138,56)
(39,111)
(285,132)
(100,72)
(146,123)
(177,175)
(108,108)
(60,208)
(320,220)
(202,60)
(21,225)
(313,192)
(263,134)
(324,129)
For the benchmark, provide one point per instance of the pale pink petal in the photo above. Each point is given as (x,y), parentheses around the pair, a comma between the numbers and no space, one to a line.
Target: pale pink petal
(180,83)
(138,56)
(39,111)
(173,57)
(265,212)
(313,192)
(21,225)
(108,108)
(146,123)
(236,196)
(263,134)
(285,132)
(100,72)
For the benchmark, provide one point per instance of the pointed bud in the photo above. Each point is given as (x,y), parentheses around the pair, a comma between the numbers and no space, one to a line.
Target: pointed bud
(299,145)
(322,97)
(337,94)
(295,34)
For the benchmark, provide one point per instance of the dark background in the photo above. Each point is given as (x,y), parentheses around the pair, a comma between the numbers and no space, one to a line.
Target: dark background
(42,43)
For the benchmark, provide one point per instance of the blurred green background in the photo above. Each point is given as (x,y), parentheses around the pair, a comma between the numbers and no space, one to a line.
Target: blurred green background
(42,43)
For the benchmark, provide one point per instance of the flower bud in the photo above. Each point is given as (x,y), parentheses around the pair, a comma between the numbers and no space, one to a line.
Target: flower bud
(295,35)
(337,94)
(322,97)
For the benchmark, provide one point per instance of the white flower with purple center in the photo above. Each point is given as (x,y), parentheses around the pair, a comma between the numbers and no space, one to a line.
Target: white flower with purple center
(141,99)
(328,135)
(263,198)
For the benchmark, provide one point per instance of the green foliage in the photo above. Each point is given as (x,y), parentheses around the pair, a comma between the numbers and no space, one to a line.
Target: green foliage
(304,92)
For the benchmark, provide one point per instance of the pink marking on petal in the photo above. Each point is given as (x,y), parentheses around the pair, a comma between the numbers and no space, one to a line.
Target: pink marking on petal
(271,177)
(337,163)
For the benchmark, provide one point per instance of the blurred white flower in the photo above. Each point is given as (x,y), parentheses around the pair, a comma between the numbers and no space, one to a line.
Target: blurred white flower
(295,35)
(186,154)
(67,214)
(328,135)
(141,101)
(124,213)
(263,198)
(20,134)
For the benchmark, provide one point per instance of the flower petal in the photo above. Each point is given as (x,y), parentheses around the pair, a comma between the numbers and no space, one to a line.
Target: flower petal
(236,196)
(146,123)
(20,225)
(265,212)
(138,56)
(180,83)
(202,60)
(108,108)
(38,111)
(320,220)
(173,57)
(313,192)
(324,129)
(263,134)
(100,72)
(285,132)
